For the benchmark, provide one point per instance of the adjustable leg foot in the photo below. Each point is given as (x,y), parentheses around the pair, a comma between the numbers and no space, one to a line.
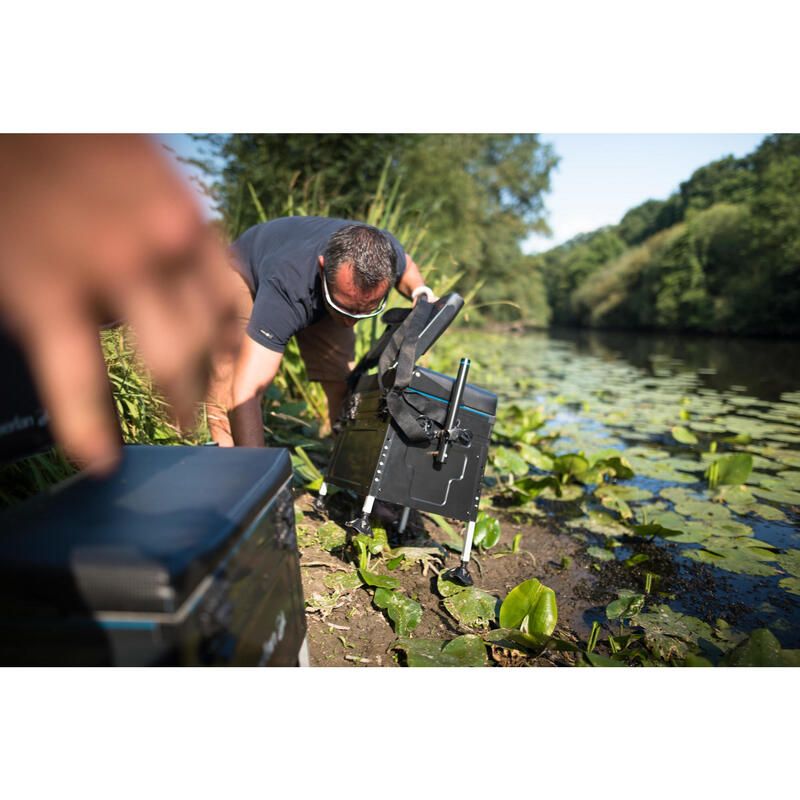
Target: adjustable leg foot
(459,575)
(361,523)
(319,503)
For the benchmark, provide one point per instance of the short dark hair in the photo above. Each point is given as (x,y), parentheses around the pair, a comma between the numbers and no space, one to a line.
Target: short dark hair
(368,249)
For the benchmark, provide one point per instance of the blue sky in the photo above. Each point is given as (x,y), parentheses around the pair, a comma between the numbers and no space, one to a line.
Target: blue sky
(601,176)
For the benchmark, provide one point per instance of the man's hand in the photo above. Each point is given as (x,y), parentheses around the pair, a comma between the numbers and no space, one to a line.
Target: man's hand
(94,229)
(411,284)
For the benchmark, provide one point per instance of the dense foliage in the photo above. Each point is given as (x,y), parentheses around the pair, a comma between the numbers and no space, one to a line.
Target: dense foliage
(476,195)
(720,255)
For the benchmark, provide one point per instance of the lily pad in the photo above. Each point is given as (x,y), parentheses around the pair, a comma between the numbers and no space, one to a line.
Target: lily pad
(404,612)
(569,493)
(463,651)
(598,522)
(627,493)
(331,536)
(487,531)
(732,469)
(761,649)
(701,509)
(739,555)
(343,581)
(670,634)
(628,604)
(530,607)
(535,457)
(600,553)
(683,435)
(508,461)
(473,607)
(382,581)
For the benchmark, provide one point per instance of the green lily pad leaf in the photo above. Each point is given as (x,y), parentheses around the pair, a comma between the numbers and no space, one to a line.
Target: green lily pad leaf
(600,553)
(509,637)
(487,531)
(463,651)
(404,612)
(732,469)
(739,555)
(374,579)
(670,634)
(598,522)
(573,465)
(447,588)
(535,457)
(701,509)
(654,529)
(777,495)
(762,510)
(343,581)
(677,494)
(529,607)
(528,488)
(569,493)
(615,465)
(508,461)
(791,585)
(761,649)
(660,471)
(683,435)
(331,536)
(628,493)
(734,495)
(473,607)
(628,605)
(790,562)
(599,660)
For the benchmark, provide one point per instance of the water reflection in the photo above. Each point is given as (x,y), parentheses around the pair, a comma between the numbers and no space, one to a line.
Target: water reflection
(762,367)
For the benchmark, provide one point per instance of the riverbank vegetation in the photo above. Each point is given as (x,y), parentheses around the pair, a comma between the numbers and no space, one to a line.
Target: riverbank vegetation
(720,255)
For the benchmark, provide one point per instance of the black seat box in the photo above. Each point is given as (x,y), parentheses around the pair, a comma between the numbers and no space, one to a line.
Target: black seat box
(373,457)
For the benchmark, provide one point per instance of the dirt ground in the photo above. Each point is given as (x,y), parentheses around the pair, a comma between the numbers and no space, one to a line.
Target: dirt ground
(347,629)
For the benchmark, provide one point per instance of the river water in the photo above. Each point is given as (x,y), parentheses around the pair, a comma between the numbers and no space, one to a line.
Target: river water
(671,405)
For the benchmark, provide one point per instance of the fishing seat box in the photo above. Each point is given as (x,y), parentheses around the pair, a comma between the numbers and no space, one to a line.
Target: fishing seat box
(409,435)
(372,455)
(184,556)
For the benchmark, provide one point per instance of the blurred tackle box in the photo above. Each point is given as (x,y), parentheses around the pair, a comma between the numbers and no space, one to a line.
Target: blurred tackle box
(184,556)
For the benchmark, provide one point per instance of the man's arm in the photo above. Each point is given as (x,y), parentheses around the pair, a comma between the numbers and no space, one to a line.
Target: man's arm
(255,370)
(411,280)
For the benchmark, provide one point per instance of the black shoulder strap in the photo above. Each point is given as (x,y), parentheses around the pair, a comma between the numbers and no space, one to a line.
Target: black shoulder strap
(402,348)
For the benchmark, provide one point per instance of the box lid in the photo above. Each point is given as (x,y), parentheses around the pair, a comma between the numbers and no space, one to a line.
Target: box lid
(141,539)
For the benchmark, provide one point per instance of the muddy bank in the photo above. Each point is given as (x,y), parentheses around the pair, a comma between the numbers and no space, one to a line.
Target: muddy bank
(346,628)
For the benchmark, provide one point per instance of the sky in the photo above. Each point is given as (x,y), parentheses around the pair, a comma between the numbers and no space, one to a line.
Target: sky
(600,176)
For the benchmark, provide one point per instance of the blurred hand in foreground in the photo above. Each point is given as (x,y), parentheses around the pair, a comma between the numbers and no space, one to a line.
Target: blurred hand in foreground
(95,228)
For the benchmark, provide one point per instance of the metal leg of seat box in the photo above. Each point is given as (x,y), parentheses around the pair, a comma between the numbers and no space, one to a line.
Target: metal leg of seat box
(361,523)
(403,520)
(303,659)
(460,574)
(319,501)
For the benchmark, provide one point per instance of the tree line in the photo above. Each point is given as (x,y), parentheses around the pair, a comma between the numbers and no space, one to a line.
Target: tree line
(720,255)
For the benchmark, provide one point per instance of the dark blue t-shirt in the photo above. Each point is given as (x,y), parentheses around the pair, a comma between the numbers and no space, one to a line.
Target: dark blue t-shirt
(279,259)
